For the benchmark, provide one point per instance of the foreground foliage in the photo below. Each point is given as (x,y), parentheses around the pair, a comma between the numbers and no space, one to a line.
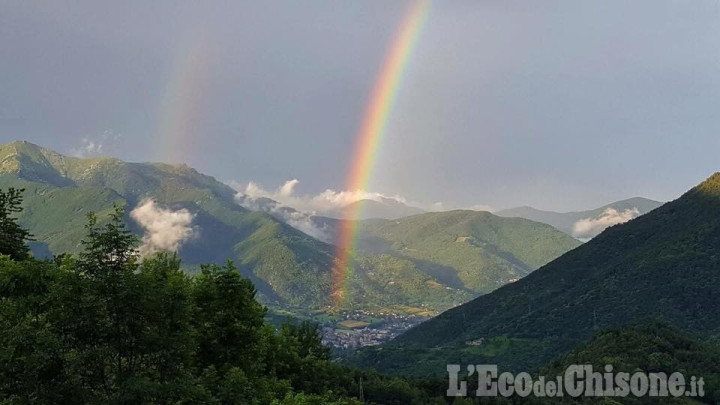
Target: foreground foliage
(107,327)
(12,236)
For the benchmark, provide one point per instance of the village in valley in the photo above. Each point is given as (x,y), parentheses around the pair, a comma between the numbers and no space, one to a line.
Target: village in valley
(354,331)
(350,329)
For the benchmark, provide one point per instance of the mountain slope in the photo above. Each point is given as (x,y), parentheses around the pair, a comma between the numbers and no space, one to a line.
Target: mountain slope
(565,221)
(60,190)
(661,265)
(468,251)
(474,250)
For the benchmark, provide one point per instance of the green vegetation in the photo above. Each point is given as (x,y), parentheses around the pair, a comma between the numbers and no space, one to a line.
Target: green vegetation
(12,235)
(388,281)
(652,347)
(662,265)
(474,251)
(103,327)
(353,324)
(290,269)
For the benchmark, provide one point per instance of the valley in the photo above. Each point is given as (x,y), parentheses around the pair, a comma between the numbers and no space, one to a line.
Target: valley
(352,329)
(421,290)
(410,202)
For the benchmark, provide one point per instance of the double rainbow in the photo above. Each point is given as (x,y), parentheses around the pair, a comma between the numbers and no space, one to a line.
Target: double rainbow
(370,136)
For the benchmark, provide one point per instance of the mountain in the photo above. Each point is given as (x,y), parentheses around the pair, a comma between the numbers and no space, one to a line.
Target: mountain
(473,250)
(387,208)
(288,266)
(662,265)
(272,245)
(597,219)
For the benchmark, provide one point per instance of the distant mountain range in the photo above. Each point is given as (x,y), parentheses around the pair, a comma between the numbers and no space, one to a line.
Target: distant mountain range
(661,266)
(586,224)
(431,261)
(384,208)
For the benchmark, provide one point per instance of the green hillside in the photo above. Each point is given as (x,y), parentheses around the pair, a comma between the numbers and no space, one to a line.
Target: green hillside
(61,190)
(290,268)
(662,265)
(477,251)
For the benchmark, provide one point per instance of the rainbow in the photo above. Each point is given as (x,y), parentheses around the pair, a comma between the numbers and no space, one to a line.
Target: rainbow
(370,136)
(182,99)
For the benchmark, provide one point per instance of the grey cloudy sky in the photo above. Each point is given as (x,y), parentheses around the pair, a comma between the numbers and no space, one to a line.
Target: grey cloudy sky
(556,104)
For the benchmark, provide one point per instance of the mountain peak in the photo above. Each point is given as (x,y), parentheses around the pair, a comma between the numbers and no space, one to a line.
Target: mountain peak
(386,208)
(24,148)
(31,162)
(710,186)
(34,163)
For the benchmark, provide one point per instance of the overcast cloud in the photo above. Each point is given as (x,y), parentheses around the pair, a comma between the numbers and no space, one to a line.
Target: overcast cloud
(561,105)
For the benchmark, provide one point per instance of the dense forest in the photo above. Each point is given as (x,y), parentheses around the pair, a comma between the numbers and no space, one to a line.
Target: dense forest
(107,327)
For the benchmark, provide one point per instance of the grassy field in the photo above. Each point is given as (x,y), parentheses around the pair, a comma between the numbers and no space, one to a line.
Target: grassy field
(352,324)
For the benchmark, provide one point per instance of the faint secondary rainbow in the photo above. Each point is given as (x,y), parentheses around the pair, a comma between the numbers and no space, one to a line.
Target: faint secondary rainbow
(182,103)
(370,136)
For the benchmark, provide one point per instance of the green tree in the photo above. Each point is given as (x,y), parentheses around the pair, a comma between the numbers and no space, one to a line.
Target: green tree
(167,337)
(228,320)
(109,250)
(109,284)
(31,366)
(309,340)
(13,237)
(103,328)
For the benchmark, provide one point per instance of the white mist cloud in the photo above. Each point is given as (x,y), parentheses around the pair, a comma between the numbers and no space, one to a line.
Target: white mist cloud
(287,189)
(481,207)
(588,228)
(165,230)
(326,202)
(302,221)
(298,210)
(439,206)
(97,146)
